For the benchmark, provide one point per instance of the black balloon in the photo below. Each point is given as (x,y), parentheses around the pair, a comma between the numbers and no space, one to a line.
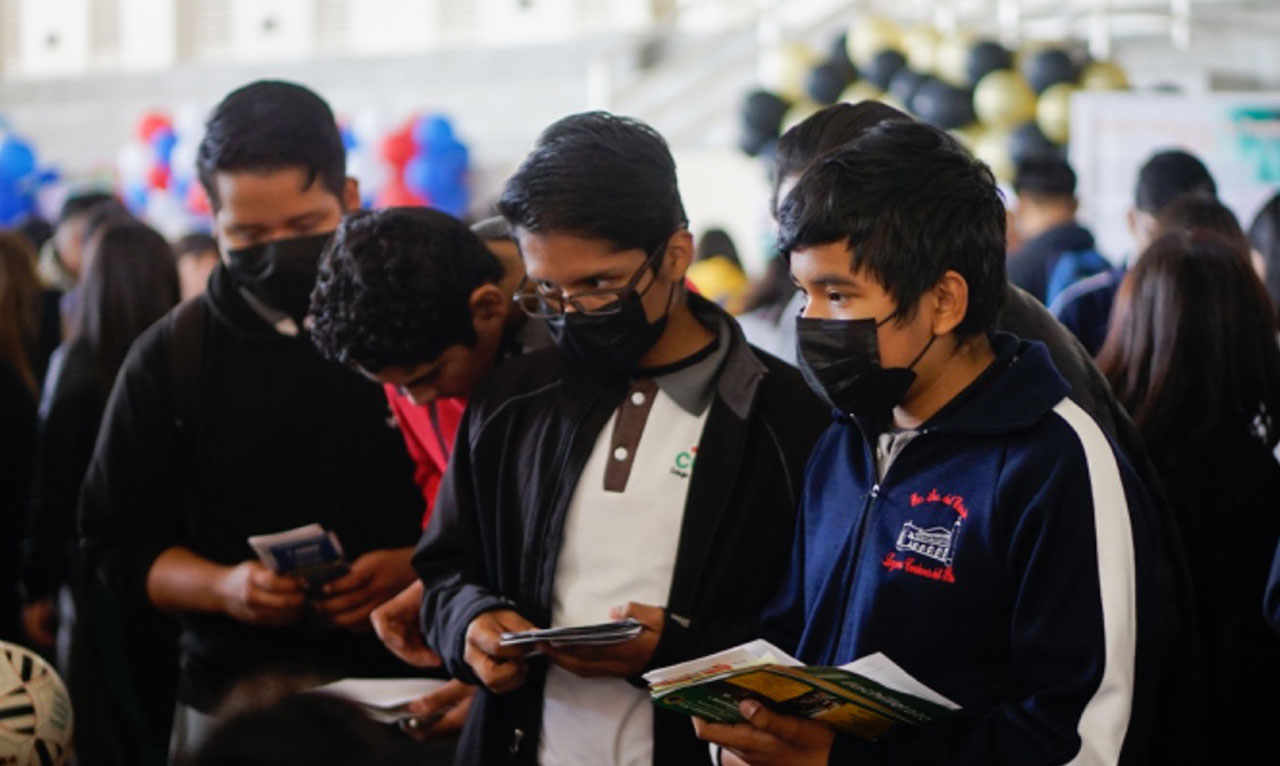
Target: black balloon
(755,142)
(825,84)
(942,105)
(905,84)
(763,111)
(839,58)
(884,65)
(986,57)
(1027,141)
(1048,68)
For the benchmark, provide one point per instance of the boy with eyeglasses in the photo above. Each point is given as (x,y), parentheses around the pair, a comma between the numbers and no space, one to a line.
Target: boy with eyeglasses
(647,467)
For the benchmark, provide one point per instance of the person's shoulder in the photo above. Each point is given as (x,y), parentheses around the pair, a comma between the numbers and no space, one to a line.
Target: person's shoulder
(786,397)
(1099,287)
(521,378)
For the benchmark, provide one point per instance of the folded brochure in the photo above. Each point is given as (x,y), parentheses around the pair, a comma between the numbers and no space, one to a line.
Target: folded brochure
(604,633)
(865,698)
(308,552)
(385,700)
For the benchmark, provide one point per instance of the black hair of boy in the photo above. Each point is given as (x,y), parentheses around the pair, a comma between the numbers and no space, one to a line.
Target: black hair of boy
(196,243)
(1169,175)
(598,176)
(1045,178)
(270,125)
(81,203)
(912,204)
(828,129)
(395,285)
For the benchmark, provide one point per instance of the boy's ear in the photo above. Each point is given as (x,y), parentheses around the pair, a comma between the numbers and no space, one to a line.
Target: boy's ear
(679,255)
(951,296)
(488,303)
(351,194)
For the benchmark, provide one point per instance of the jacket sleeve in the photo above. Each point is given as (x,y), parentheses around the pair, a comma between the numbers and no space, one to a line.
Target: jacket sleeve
(130,503)
(450,560)
(1068,546)
(68,426)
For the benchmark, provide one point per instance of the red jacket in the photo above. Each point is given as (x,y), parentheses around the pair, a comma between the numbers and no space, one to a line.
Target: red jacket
(430,443)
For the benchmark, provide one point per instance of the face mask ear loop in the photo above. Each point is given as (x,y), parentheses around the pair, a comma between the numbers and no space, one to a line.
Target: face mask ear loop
(923,351)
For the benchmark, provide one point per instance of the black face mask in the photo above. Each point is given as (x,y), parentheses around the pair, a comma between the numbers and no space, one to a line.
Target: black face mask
(280,273)
(610,345)
(840,360)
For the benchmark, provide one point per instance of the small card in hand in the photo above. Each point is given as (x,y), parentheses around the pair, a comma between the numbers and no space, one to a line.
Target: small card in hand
(584,635)
(309,552)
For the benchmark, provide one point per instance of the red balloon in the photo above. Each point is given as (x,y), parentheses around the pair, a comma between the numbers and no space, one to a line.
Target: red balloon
(398,147)
(396,194)
(150,123)
(158,178)
(197,201)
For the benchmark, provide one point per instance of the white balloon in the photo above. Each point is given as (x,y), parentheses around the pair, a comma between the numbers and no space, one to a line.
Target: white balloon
(188,122)
(133,162)
(364,165)
(167,214)
(182,162)
(369,127)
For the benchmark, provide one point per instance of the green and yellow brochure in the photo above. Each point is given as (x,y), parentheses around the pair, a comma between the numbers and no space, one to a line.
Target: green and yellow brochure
(865,698)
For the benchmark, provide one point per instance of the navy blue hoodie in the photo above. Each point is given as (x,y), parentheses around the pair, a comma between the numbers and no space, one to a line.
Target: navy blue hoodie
(1003,561)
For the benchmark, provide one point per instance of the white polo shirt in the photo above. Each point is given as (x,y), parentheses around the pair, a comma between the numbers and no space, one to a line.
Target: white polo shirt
(621,534)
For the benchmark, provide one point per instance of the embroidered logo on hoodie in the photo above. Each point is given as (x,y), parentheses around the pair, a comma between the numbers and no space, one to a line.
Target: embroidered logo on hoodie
(936,543)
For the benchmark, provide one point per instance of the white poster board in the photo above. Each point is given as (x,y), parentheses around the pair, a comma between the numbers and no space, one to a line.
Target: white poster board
(1113,134)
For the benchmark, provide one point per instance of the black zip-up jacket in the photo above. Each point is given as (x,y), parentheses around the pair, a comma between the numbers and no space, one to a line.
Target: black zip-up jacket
(280,438)
(496,532)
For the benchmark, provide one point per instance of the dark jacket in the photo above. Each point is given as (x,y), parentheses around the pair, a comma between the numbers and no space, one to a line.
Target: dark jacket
(264,436)
(1224,492)
(1030,267)
(17,454)
(998,562)
(496,533)
(1085,307)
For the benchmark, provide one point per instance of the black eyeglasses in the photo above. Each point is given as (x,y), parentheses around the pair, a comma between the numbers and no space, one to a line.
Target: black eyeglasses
(603,302)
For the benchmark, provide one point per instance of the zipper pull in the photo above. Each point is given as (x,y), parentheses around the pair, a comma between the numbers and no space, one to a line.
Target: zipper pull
(875,491)
(516,738)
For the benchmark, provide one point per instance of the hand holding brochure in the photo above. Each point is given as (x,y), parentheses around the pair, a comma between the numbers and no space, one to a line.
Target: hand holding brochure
(385,700)
(865,698)
(308,552)
(588,635)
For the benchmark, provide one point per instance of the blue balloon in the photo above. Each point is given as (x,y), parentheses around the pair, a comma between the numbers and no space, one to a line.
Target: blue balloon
(180,186)
(16,159)
(349,140)
(135,198)
(50,175)
(162,142)
(418,174)
(13,206)
(452,201)
(453,159)
(431,131)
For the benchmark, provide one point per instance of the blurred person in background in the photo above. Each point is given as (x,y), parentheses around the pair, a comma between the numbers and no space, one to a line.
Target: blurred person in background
(1264,234)
(19,389)
(197,256)
(1044,217)
(130,282)
(716,271)
(1192,354)
(1085,307)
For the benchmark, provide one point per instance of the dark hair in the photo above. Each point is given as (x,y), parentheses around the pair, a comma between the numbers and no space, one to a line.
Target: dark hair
(912,204)
(1192,347)
(195,243)
(1200,211)
(599,176)
(307,729)
(270,125)
(131,282)
(102,213)
(1264,233)
(1044,178)
(395,285)
(1167,176)
(78,204)
(825,130)
(494,229)
(36,229)
(19,308)
(715,242)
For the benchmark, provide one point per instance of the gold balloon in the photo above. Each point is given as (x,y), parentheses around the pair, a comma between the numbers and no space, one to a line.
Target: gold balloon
(861,91)
(968,135)
(784,69)
(868,36)
(920,46)
(1003,100)
(951,60)
(992,147)
(798,113)
(1104,75)
(1053,112)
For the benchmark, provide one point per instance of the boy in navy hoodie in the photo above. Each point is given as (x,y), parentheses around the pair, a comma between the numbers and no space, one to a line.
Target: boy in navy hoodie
(961,514)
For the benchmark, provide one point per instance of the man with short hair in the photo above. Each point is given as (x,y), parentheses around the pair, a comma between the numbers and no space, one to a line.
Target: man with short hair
(647,468)
(1085,307)
(1045,221)
(961,515)
(225,423)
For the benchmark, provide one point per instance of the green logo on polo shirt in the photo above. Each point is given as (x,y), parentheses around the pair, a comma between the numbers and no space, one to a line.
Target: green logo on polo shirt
(684,462)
